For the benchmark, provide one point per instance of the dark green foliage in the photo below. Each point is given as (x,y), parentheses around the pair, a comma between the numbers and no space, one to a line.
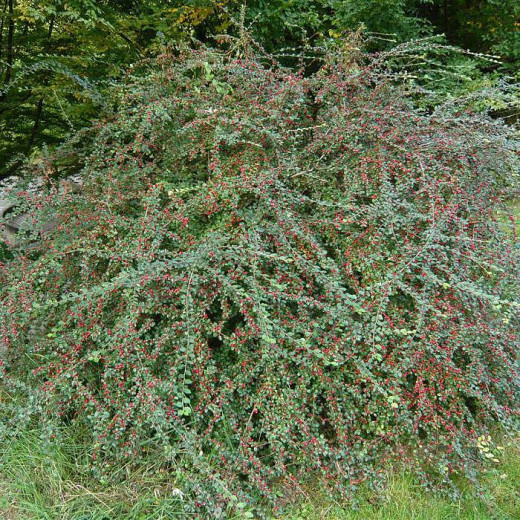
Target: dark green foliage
(57,58)
(478,25)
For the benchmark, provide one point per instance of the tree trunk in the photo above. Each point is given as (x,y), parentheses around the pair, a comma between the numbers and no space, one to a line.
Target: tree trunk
(2,24)
(39,107)
(10,39)
(445,19)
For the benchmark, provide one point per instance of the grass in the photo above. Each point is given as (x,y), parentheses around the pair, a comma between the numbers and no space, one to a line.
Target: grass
(54,484)
(510,219)
(42,483)
(404,499)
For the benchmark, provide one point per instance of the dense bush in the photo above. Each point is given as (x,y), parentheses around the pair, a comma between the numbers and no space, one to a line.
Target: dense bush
(268,280)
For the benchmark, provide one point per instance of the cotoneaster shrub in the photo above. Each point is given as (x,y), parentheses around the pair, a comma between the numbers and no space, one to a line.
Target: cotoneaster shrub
(270,280)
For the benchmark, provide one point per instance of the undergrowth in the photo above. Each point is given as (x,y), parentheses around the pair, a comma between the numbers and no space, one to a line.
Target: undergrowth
(55,483)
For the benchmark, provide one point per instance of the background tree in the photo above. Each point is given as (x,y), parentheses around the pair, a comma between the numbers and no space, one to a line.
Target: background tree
(58,56)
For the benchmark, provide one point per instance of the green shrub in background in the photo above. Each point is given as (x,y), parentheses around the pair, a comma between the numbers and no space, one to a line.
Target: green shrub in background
(269,279)
(478,25)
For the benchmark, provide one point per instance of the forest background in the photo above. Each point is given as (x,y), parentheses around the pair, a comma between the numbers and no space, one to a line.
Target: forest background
(57,57)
